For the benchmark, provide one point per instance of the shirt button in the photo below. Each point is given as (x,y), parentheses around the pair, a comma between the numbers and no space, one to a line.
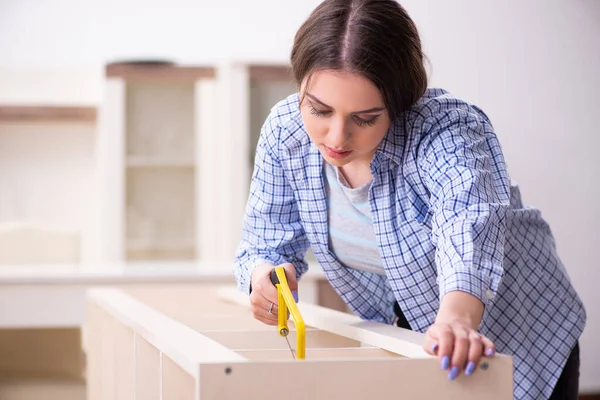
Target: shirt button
(489,294)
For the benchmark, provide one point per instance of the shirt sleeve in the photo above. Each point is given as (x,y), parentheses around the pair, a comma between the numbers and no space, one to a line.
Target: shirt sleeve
(272,231)
(464,171)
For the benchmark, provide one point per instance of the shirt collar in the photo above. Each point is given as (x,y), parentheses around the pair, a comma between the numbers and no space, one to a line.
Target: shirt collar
(391,147)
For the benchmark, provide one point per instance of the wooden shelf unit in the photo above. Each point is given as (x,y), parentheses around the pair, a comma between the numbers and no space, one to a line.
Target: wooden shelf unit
(176,152)
(202,343)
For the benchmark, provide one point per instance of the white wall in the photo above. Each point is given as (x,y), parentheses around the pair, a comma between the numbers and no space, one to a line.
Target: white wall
(534,66)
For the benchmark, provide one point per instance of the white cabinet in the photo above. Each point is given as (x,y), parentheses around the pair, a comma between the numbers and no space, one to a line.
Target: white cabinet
(175,155)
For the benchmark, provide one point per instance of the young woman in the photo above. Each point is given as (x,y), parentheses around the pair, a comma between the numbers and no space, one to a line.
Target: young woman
(403,194)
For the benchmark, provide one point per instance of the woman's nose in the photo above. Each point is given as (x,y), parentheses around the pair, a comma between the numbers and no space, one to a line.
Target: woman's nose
(338,134)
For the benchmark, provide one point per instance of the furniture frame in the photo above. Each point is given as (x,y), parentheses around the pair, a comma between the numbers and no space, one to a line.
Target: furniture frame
(203,343)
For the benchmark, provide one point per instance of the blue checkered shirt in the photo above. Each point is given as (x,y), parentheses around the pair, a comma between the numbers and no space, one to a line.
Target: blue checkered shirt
(446,217)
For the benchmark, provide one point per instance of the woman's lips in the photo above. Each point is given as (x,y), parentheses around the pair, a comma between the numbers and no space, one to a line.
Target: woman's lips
(335,153)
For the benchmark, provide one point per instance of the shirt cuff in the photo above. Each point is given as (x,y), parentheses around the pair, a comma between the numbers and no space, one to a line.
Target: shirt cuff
(245,285)
(471,281)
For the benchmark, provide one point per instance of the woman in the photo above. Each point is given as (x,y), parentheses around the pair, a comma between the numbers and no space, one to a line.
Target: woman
(403,194)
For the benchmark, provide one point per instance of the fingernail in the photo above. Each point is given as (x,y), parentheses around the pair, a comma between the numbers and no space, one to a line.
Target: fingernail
(434,347)
(295,295)
(445,362)
(470,368)
(453,373)
(490,352)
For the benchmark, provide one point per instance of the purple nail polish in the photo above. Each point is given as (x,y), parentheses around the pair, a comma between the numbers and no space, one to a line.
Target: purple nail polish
(434,347)
(490,352)
(453,373)
(470,368)
(295,295)
(445,362)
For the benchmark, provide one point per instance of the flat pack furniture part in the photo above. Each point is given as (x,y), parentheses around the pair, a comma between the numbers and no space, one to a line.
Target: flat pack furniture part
(203,343)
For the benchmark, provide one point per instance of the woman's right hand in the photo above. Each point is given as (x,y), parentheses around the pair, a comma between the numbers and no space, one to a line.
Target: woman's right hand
(264,294)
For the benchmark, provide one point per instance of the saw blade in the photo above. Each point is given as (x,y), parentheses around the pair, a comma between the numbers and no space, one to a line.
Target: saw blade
(292,350)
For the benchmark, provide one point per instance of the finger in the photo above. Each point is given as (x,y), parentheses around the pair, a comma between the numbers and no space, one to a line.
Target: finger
(266,304)
(290,275)
(475,351)
(266,289)
(260,312)
(431,345)
(265,321)
(261,306)
(444,337)
(488,347)
(460,352)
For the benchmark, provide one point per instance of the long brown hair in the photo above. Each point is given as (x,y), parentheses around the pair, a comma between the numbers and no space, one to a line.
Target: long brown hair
(374,38)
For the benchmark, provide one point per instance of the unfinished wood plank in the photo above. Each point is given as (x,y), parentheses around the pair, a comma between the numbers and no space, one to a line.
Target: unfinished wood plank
(177,384)
(350,353)
(392,338)
(93,348)
(184,300)
(272,340)
(356,379)
(47,113)
(147,370)
(182,344)
(228,323)
(124,362)
(106,346)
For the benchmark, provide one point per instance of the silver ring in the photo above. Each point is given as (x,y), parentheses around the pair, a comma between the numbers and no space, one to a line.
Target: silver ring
(271,309)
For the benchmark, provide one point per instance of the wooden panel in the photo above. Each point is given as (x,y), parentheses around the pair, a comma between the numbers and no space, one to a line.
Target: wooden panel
(107,357)
(147,371)
(359,379)
(181,343)
(169,73)
(174,301)
(228,323)
(100,354)
(93,349)
(41,353)
(176,383)
(47,113)
(319,354)
(388,337)
(272,340)
(124,362)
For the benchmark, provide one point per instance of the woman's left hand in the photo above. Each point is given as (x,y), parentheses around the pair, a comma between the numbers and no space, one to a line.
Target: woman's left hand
(458,346)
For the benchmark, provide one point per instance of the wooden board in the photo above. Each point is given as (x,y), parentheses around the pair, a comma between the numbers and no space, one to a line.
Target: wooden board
(203,355)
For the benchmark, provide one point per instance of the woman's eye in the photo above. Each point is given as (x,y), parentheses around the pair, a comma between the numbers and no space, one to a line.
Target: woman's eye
(319,113)
(365,122)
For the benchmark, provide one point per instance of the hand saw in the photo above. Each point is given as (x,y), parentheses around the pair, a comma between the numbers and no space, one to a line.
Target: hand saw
(285,302)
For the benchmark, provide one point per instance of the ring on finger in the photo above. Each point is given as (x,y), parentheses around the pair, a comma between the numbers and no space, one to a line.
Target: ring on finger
(271,309)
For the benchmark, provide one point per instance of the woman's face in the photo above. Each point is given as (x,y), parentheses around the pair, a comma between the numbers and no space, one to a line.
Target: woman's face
(344,115)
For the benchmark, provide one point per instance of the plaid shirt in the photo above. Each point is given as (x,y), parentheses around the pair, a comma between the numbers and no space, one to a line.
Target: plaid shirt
(446,217)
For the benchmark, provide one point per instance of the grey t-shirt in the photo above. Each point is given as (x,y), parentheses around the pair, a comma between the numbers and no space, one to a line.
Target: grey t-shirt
(351,235)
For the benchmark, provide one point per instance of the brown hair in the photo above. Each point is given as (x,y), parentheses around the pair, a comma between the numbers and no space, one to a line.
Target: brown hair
(374,38)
